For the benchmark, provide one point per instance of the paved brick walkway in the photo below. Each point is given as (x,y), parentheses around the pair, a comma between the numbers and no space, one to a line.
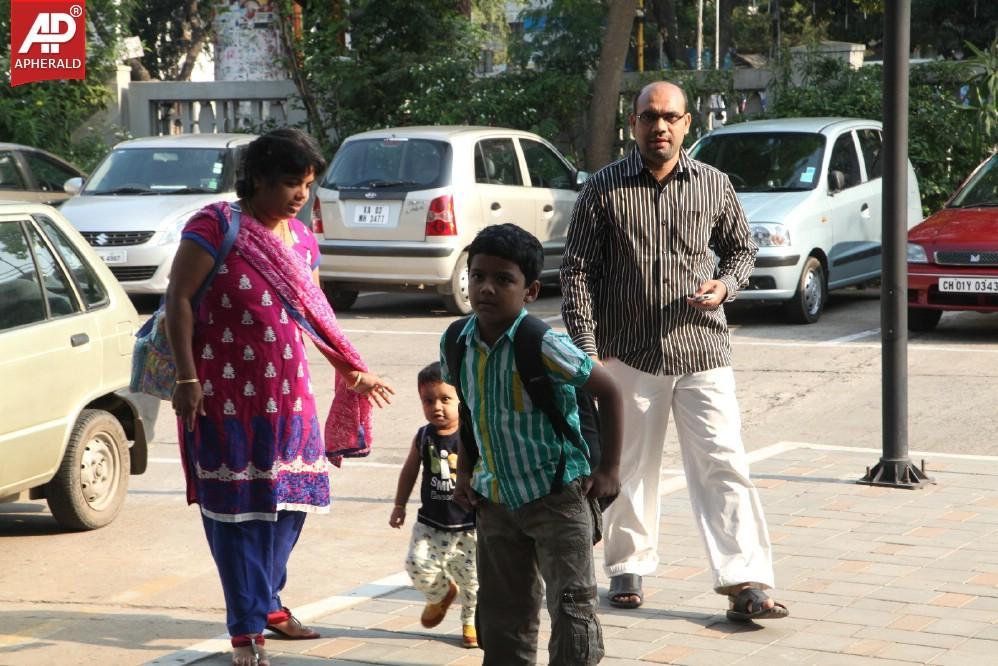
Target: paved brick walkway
(872,576)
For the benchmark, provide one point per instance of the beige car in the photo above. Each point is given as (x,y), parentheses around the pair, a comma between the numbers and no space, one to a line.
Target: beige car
(32,174)
(398,206)
(66,336)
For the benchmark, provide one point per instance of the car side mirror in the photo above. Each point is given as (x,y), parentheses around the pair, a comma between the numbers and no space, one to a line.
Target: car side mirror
(73,185)
(580,178)
(836,181)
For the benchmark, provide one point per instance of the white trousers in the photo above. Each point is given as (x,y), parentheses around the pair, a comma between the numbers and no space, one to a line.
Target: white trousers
(726,505)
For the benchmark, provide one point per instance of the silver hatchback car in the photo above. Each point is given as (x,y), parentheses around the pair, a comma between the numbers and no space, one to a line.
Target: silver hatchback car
(398,206)
(811,188)
(137,201)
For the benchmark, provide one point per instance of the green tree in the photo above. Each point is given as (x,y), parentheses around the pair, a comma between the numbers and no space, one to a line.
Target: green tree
(173,33)
(396,72)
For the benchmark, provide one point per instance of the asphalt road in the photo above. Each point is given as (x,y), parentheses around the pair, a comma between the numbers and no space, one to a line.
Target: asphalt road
(145,586)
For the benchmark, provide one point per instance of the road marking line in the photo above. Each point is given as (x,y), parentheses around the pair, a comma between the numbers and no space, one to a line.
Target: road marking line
(854,336)
(306,614)
(548,320)
(375,331)
(812,345)
(146,589)
(32,634)
(833,343)
(349,463)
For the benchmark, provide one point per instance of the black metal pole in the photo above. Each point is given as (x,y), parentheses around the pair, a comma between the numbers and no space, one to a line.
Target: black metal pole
(895,468)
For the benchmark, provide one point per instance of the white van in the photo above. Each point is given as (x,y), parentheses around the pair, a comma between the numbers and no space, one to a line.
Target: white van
(812,191)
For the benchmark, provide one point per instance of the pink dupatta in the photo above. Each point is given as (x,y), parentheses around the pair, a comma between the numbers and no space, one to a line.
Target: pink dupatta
(347,431)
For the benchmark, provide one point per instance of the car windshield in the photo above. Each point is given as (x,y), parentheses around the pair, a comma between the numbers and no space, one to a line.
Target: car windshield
(981,190)
(160,171)
(765,161)
(393,164)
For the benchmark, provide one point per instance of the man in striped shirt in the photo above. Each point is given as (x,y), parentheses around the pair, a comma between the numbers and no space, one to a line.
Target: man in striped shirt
(642,293)
(535,528)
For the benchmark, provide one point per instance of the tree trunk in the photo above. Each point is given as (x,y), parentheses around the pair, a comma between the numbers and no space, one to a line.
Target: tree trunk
(606,86)
(191,57)
(292,52)
(668,26)
(139,71)
(726,7)
(198,36)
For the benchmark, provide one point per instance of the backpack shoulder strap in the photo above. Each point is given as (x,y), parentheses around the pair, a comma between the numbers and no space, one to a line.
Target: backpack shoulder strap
(454,349)
(527,349)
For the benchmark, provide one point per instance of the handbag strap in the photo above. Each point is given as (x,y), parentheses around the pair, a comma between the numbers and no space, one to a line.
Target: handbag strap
(231,231)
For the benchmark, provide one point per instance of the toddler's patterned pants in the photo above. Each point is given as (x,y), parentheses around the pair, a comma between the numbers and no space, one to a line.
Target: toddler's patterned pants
(435,557)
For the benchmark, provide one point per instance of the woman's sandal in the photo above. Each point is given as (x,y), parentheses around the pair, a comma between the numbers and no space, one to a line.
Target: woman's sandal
(254,655)
(299,632)
(747,605)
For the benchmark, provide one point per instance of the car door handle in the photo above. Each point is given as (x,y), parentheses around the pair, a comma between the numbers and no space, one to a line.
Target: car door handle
(864,210)
(495,205)
(79,339)
(548,208)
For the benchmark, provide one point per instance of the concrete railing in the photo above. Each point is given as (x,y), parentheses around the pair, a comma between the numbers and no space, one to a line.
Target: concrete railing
(154,108)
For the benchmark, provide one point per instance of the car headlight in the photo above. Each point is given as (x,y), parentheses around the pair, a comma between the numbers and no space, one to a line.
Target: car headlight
(176,228)
(770,234)
(916,254)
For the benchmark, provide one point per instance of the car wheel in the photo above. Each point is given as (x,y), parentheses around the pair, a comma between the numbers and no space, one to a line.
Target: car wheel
(923,319)
(812,292)
(89,489)
(340,299)
(458,300)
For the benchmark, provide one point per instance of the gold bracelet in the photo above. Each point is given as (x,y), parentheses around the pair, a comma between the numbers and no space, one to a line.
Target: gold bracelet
(400,506)
(357,383)
(195,380)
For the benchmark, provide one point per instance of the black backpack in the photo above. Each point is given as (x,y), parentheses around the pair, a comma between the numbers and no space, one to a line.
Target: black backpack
(535,379)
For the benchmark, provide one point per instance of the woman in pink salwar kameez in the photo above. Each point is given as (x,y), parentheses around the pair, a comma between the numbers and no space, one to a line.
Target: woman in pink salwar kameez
(254,454)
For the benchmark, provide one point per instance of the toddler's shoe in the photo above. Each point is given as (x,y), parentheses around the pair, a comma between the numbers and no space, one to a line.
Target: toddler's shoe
(469,637)
(433,614)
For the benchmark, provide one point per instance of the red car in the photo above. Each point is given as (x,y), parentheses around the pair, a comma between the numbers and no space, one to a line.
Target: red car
(953,254)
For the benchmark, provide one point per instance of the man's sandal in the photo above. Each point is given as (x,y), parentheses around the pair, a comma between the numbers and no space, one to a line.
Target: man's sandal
(298,631)
(747,605)
(257,655)
(625,585)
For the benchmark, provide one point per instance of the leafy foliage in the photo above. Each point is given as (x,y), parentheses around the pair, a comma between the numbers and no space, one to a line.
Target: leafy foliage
(423,70)
(45,114)
(173,34)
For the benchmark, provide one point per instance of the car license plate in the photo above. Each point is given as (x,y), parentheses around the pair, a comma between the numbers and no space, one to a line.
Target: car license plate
(113,256)
(371,215)
(972,285)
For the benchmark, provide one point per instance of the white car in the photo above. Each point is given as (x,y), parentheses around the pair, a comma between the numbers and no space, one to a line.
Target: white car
(811,188)
(137,201)
(66,337)
(398,206)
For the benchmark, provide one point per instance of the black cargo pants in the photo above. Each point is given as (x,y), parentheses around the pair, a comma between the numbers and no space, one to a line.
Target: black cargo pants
(546,543)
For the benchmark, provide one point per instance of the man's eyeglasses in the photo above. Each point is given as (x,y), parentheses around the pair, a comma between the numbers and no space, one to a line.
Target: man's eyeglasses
(651,118)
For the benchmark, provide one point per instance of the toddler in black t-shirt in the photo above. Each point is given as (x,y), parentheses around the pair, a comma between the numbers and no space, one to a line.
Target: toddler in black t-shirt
(441,559)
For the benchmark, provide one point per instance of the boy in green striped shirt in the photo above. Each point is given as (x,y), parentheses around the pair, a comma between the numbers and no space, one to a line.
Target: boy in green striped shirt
(529,537)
